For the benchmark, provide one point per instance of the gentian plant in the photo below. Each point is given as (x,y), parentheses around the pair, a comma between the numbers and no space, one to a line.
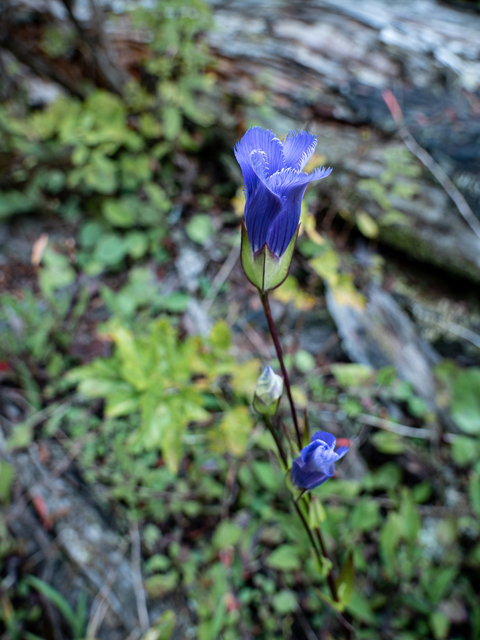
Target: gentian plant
(275,184)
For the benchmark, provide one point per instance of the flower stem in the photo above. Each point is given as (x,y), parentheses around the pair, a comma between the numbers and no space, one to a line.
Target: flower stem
(330,579)
(277,441)
(273,331)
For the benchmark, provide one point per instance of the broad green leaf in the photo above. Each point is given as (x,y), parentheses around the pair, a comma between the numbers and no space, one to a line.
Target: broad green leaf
(367,225)
(352,375)
(7,473)
(233,431)
(440,625)
(316,513)
(284,558)
(359,607)
(387,442)
(475,493)
(227,534)
(284,602)
(344,582)
(162,628)
(465,406)
(160,584)
(200,229)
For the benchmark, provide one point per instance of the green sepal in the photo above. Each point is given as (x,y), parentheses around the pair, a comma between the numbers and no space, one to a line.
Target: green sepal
(265,409)
(263,268)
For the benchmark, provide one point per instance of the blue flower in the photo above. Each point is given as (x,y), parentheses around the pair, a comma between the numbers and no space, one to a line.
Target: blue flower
(275,185)
(316,462)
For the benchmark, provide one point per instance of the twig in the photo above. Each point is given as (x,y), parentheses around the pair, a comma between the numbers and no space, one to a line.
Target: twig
(60,468)
(220,278)
(113,76)
(39,66)
(427,160)
(100,602)
(137,577)
(451,327)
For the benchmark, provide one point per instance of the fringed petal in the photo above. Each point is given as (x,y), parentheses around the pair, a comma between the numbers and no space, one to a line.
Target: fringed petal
(327,438)
(298,148)
(258,139)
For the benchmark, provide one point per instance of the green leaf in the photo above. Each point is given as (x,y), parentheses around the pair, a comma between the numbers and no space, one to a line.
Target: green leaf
(227,534)
(465,405)
(284,558)
(160,584)
(316,513)
(440,625)
(233,432)
(157,562)
(163,627)
(172,122)
(7,473)
(304,361)
(110,249)
(344,582)
(118,213)
(359,607)
(77,624)
(200,229)
(285,602)
(465,450)
(367,225)
(365,516)
(387,442)
(220,336)
(410,517)
(474,491)
(352,375)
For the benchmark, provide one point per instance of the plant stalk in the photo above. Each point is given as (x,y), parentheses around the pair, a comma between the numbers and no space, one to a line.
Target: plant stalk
(276,342)
(278,442)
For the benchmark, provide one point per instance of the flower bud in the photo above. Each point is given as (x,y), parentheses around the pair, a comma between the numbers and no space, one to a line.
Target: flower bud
(268,392)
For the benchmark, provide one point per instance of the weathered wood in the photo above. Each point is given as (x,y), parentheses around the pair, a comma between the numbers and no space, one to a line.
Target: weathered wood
(96,556)
(325,63)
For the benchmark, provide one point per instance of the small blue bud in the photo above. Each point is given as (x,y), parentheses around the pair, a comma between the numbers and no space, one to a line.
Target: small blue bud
(316,462)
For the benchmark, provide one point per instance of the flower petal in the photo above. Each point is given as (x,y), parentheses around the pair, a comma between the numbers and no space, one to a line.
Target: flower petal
(325,437)
(262,207)
(307,477)
(308,450)
(298,148)
(256,139)
(340,452)
(291,185)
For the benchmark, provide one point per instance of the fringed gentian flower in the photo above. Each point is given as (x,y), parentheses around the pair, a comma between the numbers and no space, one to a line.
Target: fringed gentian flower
(274,188)
(316,463)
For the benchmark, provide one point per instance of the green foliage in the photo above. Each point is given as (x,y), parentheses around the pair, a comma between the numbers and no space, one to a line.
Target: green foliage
(77,620)
(466,401)
(397,180)
(167,382)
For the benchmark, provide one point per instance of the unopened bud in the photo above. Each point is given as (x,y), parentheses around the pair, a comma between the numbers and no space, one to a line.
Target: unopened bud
(268,392)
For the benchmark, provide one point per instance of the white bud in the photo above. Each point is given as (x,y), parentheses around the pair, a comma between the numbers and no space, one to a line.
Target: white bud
(268,392)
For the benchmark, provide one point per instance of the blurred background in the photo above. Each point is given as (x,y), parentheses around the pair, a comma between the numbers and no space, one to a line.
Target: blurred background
(140,497)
